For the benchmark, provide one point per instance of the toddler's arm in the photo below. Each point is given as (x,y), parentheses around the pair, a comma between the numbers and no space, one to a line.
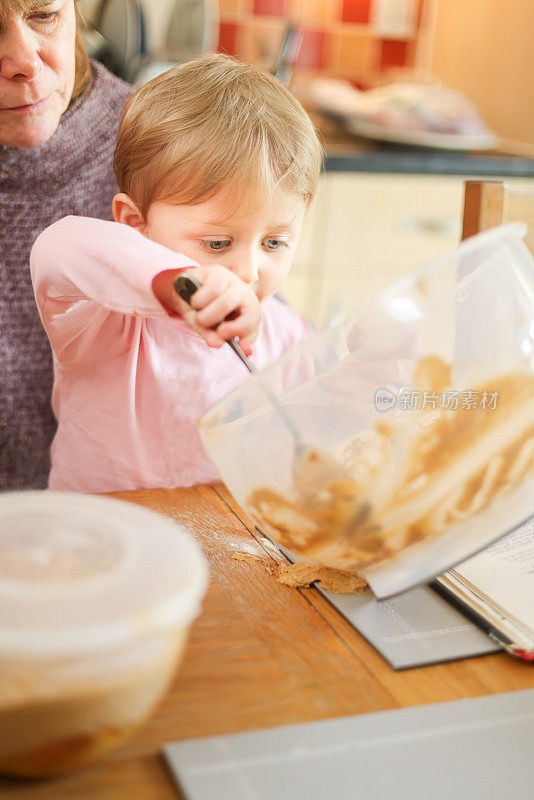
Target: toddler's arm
(80,258)
(111,264)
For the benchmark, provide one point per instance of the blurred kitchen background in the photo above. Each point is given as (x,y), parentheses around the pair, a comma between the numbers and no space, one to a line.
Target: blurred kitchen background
(390,198)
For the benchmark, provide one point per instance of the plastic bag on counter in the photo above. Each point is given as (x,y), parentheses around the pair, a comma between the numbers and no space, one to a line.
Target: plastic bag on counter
(413,113)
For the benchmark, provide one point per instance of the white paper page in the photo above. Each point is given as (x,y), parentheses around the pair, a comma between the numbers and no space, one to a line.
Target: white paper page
(505,573)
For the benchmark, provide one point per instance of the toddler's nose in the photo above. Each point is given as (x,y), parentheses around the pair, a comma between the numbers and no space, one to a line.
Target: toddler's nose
(247,268)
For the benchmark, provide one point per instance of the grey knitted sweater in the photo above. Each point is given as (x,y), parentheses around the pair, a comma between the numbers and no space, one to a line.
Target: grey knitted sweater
(71,173)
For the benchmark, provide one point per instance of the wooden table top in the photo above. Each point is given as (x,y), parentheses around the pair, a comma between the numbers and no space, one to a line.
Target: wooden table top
(260,655)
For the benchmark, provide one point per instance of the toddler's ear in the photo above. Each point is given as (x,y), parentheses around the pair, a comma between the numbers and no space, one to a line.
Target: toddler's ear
(125,211)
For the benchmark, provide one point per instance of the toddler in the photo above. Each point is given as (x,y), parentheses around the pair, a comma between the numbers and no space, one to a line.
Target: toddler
(216,163)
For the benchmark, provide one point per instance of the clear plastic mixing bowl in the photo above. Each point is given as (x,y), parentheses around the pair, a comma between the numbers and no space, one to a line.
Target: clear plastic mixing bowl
(416,419)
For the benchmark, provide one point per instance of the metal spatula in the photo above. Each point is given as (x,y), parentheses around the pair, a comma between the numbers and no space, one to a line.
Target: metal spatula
(312,467)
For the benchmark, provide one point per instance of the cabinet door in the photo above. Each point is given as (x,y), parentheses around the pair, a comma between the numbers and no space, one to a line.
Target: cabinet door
(302,286)
(366,230)
(381,226)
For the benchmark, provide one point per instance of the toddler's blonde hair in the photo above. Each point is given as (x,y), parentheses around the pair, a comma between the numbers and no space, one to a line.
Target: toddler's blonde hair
(215,124)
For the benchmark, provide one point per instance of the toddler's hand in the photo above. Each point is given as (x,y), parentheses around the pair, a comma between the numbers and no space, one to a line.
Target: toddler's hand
(222,308)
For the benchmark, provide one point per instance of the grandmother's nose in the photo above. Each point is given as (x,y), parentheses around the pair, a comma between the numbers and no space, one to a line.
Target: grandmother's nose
(19,55)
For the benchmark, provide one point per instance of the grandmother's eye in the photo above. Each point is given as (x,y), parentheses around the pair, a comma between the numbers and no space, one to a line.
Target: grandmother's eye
(45,16)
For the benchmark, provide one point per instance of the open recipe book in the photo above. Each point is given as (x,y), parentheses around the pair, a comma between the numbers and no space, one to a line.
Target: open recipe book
(496,589)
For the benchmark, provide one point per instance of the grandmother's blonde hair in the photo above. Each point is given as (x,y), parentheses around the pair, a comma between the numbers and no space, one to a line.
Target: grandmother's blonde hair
(82,65)
(214,124)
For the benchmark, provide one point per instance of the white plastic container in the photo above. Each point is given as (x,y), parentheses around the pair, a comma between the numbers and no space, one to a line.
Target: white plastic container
(96,598)
(462,325)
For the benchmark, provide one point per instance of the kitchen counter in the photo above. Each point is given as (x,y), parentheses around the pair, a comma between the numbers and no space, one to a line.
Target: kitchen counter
(385,159)
(347,153)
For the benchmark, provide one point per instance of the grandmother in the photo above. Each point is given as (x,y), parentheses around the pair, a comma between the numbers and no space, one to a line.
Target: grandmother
(59,115)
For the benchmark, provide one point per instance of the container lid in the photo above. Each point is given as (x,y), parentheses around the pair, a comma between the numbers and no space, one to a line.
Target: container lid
(81,573)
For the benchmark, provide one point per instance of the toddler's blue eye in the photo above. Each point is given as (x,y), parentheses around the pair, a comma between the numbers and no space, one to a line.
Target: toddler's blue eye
(216,244)
(274,244)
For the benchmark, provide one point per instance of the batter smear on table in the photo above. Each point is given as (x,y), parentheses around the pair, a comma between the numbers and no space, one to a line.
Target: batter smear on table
(337,581)
(305,573)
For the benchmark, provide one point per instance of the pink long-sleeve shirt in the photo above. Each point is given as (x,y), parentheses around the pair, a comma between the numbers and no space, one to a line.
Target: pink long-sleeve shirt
(130,380)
